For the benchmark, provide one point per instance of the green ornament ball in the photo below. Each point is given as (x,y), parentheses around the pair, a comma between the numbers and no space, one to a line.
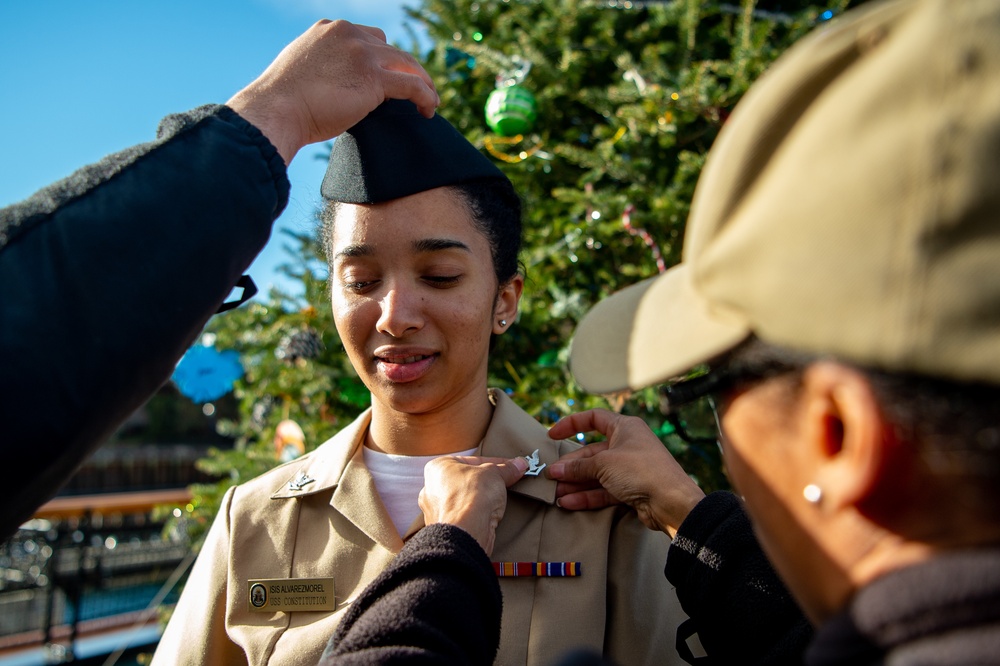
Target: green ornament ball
(511,111)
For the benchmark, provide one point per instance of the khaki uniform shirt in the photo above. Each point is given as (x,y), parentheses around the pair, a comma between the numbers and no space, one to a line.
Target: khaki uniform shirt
(336,526)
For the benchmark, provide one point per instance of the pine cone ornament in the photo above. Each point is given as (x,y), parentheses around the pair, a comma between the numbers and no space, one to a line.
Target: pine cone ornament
(305,344)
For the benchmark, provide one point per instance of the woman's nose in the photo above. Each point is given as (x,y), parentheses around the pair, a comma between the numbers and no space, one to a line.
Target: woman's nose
(401,313)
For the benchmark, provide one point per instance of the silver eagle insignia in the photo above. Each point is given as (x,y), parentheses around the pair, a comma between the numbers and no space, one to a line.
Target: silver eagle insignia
(300,482)
(534,469)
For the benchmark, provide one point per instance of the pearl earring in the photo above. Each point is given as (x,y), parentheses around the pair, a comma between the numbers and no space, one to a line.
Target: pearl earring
(503,322)
(813,493)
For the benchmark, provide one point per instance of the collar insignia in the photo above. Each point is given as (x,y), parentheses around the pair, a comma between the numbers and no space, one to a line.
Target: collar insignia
(534,469)
(300,482)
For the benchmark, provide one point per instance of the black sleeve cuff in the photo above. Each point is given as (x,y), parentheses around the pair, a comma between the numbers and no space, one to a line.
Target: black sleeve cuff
(279,171)
(742,610)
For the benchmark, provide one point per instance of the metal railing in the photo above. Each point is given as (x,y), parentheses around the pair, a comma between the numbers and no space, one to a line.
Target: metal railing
(84,561)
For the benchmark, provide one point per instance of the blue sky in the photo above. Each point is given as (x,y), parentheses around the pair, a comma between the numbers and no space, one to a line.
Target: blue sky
(79,80)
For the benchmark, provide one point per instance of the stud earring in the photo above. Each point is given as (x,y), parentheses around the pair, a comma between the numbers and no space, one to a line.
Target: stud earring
(813,493)
(503,323)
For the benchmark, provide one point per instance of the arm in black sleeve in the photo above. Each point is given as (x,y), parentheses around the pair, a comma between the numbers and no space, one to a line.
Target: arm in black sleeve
(108,276)
(438,602)
(741,610)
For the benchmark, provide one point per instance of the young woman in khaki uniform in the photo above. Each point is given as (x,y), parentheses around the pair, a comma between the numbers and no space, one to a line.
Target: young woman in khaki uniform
(423,234)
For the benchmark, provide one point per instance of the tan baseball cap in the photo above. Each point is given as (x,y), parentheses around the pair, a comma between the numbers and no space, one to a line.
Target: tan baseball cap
(850,206)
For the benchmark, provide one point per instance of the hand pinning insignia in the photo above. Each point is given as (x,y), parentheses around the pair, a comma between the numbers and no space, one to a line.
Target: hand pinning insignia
(534,469)
(300,482)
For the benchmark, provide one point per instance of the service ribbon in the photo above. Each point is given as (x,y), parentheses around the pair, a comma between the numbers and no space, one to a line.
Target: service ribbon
(538,569)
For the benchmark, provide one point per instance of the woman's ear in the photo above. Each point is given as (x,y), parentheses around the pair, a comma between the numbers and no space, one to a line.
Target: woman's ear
(506,305)
(855,461)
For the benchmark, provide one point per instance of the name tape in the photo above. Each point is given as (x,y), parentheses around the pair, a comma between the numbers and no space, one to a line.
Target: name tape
(268,595)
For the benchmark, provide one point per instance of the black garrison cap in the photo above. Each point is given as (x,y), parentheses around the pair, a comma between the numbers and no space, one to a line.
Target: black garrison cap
(395,152)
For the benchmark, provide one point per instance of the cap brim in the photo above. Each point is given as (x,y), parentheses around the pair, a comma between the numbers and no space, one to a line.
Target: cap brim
(650,333)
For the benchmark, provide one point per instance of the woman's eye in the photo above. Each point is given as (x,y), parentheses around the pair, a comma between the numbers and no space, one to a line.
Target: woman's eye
(442,280)
(358,286)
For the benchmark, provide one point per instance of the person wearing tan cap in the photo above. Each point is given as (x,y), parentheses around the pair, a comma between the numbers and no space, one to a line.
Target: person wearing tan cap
(838,303)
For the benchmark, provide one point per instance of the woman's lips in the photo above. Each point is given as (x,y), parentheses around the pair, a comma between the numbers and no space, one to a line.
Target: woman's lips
(405,368)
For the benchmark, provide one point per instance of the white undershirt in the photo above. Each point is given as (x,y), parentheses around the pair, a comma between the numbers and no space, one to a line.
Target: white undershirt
(398,480)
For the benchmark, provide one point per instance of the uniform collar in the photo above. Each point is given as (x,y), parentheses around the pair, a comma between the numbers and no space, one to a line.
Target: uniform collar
(512,433)
(338,465)
(323,468)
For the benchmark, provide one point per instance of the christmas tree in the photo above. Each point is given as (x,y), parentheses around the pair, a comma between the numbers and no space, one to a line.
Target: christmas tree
(601,114)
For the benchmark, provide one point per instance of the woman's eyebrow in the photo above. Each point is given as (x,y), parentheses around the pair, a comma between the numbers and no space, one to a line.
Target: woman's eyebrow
(422,245)
(360,250)
(436,244)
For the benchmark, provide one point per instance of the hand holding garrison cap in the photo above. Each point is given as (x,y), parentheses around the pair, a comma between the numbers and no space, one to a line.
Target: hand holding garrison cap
(327,80)
(848,207)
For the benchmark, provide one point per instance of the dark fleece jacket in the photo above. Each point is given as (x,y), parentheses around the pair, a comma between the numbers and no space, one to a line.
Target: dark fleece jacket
(438,603)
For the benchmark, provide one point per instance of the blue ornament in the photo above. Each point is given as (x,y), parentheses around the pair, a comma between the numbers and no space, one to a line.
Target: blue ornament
(458,63)
(205,373)
(453,57)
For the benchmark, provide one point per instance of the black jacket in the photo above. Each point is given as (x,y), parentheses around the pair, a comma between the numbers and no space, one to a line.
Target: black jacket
(108,276)
(437,603)
(943,611)
(740,609)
